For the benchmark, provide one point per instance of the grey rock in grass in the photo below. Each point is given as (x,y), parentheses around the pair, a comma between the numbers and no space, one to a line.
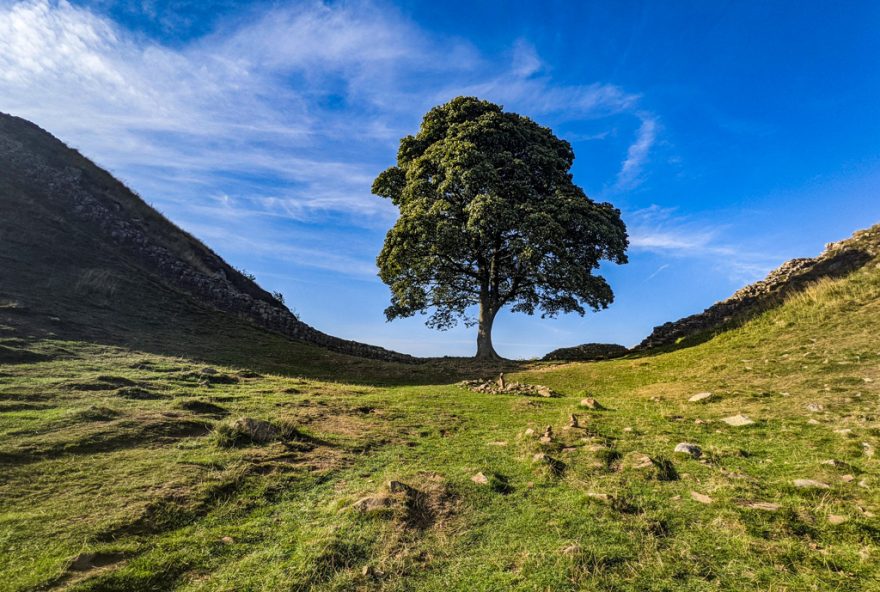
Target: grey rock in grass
(689,448)
(480,479)
(699,497)
(591,403)
(765,506)
(636,460)
(374,503)
(815,407)
(700,397)
(257,430)
(738,420)
(810,484)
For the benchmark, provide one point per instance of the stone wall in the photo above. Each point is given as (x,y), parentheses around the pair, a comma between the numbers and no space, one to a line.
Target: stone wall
(837,260)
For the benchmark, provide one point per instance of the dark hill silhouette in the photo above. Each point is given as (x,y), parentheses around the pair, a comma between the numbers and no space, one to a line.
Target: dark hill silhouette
(83,257)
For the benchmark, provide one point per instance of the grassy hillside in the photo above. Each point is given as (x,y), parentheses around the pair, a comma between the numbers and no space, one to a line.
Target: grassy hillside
(118,474)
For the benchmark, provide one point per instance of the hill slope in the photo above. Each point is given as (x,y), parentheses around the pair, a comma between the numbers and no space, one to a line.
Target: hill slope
(122,470)
(86,257)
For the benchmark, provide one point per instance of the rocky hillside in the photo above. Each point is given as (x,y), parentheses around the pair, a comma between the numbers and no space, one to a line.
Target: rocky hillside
(837,260)
(73,239)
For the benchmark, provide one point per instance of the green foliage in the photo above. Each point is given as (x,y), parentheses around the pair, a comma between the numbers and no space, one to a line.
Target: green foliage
(489,216)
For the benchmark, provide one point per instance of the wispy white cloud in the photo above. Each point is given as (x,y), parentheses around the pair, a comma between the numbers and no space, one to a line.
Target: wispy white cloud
(631,170)
(662,231)
(289,112)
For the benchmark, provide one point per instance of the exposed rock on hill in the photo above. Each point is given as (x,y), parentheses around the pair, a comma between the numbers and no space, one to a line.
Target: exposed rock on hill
(837,260)
(56,204)
(587,352)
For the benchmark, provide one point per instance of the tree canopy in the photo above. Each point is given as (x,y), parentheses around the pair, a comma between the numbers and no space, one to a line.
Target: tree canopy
(490,217)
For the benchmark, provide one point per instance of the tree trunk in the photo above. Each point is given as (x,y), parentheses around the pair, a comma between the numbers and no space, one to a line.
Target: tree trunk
(485,351)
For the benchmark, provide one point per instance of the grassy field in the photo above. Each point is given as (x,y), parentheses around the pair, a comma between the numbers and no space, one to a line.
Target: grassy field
(123,469)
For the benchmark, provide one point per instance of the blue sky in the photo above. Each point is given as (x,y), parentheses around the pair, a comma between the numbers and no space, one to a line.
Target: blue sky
(732,135)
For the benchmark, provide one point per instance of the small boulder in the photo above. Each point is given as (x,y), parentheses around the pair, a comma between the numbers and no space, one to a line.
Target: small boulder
(480,479)
(699,497)
(636,460)
(700,397)
(835,519)
(544,391)
(810,484)
(688,448)
(548,435)
(765,506)
(255,430)
(815,407)
(398,487)
(591,403)
(373,503)
(738,420)
(529,432)
(573,421)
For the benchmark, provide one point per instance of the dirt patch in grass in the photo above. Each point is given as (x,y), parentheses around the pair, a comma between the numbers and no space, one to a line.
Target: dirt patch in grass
(202,408)
(101,383)
(143,430)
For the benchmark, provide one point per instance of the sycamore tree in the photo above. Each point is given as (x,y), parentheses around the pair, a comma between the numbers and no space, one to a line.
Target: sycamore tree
(490,218)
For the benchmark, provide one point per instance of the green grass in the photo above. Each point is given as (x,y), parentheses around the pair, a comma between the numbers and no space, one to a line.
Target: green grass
(118,452)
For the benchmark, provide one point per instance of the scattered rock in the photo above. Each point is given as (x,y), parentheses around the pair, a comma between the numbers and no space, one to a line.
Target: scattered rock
(836,519)
(548,435)
(573,421)
(227,540)
(572,549)
(700,397)
(847,478)
(602,497)
(247,429)
(480,479)
(688,448)
(636,460)
(373,503)
(810,484)
(867,449)
(398,487)
(511,388)
(814,421)
(591,403)
(833,462)
(815,407)
(699,497)
(737,420)
(529,432)
(499,442)
(764,506)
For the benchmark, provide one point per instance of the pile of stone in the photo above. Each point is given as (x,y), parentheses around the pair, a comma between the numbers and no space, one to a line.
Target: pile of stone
(502,387)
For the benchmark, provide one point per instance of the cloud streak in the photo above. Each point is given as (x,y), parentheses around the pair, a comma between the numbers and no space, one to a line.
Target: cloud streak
(660,231)
(289,112)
